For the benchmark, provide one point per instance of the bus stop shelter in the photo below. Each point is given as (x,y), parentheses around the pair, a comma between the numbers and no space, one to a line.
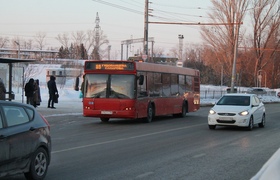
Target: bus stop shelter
(10,62)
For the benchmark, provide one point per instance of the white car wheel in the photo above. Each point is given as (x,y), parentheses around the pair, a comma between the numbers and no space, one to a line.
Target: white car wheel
(251,124)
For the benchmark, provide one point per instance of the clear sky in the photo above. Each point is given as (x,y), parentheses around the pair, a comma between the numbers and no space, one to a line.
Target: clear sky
(119,20)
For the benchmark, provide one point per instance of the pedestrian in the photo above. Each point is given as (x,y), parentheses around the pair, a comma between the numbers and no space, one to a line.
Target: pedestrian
(29,91)
(37,94)
(2,90)
(82,88)
(53,93)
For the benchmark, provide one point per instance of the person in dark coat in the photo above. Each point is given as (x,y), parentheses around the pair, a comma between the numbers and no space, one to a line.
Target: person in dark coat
(37,94)
(2,90)
(29,91)
(52,92)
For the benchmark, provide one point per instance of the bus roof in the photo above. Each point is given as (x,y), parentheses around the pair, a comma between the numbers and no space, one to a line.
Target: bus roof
(166,69)
(153,67)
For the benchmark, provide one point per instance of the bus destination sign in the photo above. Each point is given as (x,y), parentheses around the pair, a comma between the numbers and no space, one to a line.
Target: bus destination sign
(109,66)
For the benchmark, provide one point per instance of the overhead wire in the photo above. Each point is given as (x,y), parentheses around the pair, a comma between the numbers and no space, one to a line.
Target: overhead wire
(119,7)
(133,6)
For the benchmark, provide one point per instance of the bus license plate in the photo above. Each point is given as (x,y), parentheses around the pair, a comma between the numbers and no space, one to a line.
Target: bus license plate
(106,112)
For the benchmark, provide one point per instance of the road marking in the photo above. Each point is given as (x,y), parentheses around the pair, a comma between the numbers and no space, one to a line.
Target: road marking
(144,175)
(199,155)
(66,114)
(124,139)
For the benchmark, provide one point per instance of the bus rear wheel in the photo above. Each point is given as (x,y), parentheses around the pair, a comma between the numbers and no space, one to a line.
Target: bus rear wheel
(184,111)
(104,119)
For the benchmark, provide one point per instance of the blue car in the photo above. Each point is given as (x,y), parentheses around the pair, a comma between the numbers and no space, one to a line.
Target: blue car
(25,141)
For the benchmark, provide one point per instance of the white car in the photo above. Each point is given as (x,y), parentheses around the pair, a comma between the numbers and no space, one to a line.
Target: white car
(237,109)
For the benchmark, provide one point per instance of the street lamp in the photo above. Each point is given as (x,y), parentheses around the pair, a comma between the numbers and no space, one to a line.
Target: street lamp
(181,37)
(17,43)
(109,50)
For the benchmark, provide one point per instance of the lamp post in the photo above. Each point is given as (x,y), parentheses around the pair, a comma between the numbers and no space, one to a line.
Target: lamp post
(17,43)
(181,37)
(109,51)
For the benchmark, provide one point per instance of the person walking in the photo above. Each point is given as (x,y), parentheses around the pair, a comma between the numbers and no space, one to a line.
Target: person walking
(2,90)
(29,91)
(52,92)
(37,94)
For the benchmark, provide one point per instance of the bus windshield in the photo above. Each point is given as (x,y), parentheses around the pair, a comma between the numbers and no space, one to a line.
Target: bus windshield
(109,86)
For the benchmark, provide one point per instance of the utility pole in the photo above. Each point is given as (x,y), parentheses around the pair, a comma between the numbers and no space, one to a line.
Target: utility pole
(96,54)
(146,21)
(233,74)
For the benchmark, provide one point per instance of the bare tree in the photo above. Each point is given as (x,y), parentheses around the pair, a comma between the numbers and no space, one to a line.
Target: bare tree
(223,35)
(40,40)
(97,41)
(266,40)
(79,37)
(63,39)
(28,44)
(90,41)
(4,41)
(158,51)
(174,51)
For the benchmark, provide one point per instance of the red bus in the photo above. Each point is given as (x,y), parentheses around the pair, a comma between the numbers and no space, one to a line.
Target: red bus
(129,89)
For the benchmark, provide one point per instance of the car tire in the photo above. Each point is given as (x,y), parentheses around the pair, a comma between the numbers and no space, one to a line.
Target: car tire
(104,119)
(262,124)
(38,165)
(150,114)
(251,124)
(212,126)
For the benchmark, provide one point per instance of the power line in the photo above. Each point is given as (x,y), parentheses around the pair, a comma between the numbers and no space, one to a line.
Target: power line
(119,7)
(180,7)
(193,23)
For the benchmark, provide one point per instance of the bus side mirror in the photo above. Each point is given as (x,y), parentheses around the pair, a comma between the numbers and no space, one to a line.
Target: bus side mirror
(141,79)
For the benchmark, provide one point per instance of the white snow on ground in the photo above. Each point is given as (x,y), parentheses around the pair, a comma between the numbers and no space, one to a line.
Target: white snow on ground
(68,94)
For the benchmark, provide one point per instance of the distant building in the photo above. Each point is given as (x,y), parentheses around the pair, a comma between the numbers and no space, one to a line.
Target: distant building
(62,74)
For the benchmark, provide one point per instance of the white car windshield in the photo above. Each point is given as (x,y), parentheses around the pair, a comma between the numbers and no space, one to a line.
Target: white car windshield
(234,101)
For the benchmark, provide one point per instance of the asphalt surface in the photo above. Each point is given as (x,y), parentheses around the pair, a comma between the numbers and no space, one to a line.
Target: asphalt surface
(167,148)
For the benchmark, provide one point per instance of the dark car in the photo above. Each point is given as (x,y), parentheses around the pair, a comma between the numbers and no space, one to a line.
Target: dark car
(25,142)
(258,91)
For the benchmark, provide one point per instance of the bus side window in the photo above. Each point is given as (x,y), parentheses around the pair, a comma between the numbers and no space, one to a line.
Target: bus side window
(141,86)
(141,79)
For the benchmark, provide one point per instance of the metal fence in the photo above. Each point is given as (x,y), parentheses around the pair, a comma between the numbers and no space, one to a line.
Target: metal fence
(216,94)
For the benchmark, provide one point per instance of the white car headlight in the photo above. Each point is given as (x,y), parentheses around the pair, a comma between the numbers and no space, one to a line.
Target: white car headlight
(243,113)
(212,111)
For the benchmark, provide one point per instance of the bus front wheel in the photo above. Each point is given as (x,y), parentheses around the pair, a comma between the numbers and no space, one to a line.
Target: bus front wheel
(150,114)
(104,119)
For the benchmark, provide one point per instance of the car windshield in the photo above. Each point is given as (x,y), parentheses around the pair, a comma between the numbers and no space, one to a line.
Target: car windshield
(109,86)
(234,100)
